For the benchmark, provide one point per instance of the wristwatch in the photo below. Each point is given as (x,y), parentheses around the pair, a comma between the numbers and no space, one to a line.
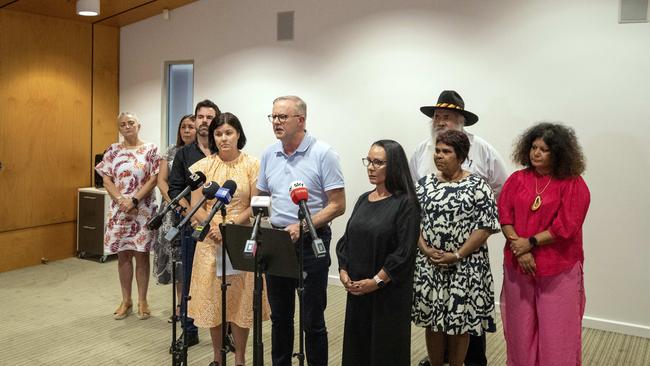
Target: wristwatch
(135,201)
(380,283)
(533,241)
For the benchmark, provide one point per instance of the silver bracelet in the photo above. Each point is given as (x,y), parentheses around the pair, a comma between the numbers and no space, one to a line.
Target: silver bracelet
(458,257)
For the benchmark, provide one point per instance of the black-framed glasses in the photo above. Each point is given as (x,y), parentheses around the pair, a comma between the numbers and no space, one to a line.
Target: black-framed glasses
(376,163)
(281,117)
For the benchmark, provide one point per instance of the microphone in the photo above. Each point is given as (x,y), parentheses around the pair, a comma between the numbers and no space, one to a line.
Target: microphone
(223,196)
(196,180)
(210,189)
(261,206)
(299,196)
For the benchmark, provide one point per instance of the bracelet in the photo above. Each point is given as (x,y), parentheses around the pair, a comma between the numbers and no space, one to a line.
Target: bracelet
(458,257)
(533,241)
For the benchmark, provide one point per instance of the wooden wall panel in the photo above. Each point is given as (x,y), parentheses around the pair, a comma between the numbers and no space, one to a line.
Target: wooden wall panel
(113,12)
(45,106)
(105,101)
(22,248)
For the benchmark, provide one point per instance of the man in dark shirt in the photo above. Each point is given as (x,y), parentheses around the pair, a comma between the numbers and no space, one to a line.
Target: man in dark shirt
(205,112)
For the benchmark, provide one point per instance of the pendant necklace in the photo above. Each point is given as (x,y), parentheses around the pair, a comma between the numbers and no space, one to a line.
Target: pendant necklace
(538,198)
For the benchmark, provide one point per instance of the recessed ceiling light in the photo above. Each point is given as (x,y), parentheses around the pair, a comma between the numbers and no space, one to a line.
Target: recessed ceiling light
(88,8)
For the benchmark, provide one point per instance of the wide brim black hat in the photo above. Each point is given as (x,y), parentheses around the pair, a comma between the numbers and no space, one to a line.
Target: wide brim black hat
(451,100)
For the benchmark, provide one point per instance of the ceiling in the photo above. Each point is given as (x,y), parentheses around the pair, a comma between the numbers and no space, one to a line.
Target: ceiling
(116,13)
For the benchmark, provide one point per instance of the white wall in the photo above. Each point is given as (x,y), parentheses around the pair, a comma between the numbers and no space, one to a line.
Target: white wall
(366,66)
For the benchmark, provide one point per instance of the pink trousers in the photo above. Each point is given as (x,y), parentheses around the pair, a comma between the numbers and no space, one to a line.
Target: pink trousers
(542,317)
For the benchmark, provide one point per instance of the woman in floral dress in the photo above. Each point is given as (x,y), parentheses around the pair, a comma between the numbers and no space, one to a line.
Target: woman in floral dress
(130,170)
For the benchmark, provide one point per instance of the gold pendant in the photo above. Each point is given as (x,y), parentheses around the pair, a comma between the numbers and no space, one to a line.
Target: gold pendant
(536,203)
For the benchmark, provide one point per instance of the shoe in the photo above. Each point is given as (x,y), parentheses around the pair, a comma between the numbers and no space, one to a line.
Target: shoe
(192,339)
(178,315)
(425,361)
(214,363)
(122,311)
(143,311)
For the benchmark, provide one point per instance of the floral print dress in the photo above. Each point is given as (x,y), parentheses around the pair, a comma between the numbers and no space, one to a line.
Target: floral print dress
(130,169)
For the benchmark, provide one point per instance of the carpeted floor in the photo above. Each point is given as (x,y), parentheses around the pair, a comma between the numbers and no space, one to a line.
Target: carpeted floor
(60,314)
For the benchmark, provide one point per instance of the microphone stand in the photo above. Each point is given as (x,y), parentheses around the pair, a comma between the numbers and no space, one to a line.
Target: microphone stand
(179,348)
(173,349)
(301,289)
(224,289)
(259,267)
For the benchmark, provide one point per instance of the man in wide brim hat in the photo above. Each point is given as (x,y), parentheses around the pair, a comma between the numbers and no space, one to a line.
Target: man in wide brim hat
(450,99)
(449,113)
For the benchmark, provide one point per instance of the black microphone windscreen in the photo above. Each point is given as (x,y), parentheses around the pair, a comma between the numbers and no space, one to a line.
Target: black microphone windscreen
(231,185)
(210,189)
(196,180)
(155,222)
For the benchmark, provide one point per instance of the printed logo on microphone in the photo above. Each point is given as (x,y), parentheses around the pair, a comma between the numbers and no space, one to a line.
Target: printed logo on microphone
(223,195)
(296,184)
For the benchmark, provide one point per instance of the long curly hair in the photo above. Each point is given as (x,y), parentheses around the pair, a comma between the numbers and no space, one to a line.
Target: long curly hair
(567,159)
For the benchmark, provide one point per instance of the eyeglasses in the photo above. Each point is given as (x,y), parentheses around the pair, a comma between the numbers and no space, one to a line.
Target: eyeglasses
(281,117)
(375,163)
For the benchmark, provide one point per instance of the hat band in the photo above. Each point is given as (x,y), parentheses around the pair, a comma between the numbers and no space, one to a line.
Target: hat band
(449,105)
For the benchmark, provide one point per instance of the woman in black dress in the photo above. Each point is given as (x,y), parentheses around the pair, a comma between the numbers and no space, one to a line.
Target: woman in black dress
(376,262)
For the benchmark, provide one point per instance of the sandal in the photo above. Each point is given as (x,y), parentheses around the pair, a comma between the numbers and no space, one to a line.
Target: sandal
(122,311)
(143,311)
(177,315)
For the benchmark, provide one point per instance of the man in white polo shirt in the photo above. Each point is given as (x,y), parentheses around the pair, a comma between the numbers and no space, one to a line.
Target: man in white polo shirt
(449,113)
(298,156)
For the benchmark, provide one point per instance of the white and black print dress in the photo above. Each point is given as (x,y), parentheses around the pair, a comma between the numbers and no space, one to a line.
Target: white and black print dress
(460,298)
(163,249)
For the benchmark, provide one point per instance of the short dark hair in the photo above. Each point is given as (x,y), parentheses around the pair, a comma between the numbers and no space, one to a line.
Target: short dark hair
(209,104)
(179,140)
(567,159)
(230,119)
(458,140)
(398,174)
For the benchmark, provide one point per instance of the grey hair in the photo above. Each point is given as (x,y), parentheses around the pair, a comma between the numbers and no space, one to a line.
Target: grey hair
(301,106)
(462,120)
(131,114)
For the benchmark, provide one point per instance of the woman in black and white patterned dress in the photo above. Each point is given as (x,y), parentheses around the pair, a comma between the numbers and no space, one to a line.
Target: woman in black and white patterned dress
(453,286)
(163,249)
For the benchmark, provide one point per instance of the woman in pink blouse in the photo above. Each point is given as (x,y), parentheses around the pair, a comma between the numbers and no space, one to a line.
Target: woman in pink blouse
(541,209)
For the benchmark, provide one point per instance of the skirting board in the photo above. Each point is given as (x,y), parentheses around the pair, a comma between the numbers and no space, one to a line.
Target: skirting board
(587,321)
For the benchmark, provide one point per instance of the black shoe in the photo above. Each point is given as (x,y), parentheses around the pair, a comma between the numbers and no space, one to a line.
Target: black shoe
(192,339)
(214,363)
(424,361)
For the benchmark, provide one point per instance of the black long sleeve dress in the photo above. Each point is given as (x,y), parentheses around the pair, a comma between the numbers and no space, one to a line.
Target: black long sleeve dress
(380,234)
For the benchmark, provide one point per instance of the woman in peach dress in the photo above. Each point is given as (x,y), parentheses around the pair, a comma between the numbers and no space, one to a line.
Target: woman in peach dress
(228,163)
